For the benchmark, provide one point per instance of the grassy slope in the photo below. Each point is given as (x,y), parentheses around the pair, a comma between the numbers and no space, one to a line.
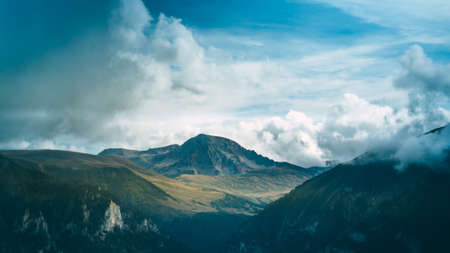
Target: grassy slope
(126,181)
(235,180)
(45,206)
(110,175)
(175,204)
(259,188)
(59,183)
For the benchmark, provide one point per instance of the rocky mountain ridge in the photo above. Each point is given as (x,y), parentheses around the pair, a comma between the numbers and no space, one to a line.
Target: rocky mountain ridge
(203,155)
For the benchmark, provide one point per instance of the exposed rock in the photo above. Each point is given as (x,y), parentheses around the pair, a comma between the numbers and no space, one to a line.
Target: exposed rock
(86,213)
(37,225)
(148,225)
(26,220)
(113,218)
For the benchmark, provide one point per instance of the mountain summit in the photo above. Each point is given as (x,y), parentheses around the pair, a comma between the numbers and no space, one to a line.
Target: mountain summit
(203,155)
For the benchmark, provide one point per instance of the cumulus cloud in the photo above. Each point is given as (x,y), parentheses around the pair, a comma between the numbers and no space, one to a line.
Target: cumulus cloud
(355,125)
(428,87)
(73,91)
(427,84)
(292,138)
(78,92)
(351,127)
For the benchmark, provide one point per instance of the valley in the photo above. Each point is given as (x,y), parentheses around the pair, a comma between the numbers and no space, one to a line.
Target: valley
(238,201)
(130,199)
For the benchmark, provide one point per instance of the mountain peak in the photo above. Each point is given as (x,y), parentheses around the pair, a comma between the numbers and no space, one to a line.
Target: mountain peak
(207,137)
(214,155)
(206,155)
(201,135)
(211,141)
(200,138)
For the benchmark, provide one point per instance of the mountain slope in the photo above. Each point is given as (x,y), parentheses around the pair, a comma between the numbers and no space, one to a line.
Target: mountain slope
(158,195)
(231,183)
(248,182)
(57,206)
(363,206)
(222,165)
(203,155)
(37,182)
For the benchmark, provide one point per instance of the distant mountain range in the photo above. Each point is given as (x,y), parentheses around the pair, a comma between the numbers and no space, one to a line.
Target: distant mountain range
(365,205)
(119,202)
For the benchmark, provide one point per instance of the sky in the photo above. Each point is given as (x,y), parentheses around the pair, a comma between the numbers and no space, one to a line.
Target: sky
(299,81)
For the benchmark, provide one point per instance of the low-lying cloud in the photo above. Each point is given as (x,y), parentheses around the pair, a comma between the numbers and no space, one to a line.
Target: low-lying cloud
(431,149)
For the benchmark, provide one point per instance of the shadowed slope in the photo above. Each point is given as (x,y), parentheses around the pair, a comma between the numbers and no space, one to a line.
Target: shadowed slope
(49,181)
(362,206)
(154,193)
(85,206)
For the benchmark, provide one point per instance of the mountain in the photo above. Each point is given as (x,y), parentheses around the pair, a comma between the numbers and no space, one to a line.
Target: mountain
(222,165)
(50,193)
(111,202)
(203,155)
(159,195)
(55,201)
(244,180)
(58,198)
(366,205)
(247,180)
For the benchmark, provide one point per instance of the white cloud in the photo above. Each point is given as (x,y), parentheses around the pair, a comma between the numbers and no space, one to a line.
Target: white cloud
(351,127)
(430,149)
(428,87)
(130,21)
(149,82)
(420,73)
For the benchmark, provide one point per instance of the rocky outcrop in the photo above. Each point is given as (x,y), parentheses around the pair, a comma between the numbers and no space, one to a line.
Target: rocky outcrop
(113,218)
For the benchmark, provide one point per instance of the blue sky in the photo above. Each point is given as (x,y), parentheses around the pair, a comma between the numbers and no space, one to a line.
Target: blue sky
(270,15)
(302,81)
